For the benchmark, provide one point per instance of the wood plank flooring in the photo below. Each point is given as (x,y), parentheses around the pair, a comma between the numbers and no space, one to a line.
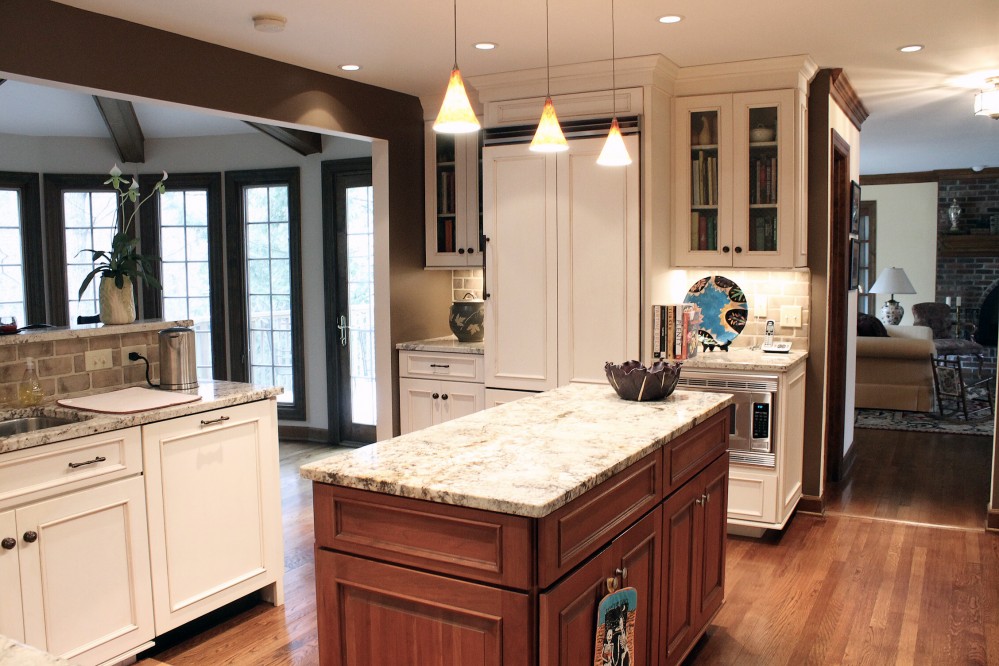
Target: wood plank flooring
(841,589)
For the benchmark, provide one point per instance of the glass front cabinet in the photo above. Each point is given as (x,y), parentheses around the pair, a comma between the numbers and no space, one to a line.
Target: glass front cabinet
(740,178)
(453,213)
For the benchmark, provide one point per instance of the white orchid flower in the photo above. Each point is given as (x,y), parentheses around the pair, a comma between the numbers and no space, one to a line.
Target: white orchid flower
(115,178)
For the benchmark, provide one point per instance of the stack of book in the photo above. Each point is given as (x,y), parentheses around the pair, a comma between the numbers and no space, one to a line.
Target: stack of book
(703,181)
(674,333)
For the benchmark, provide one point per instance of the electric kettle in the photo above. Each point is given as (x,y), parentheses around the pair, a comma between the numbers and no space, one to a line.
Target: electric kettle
(178,370)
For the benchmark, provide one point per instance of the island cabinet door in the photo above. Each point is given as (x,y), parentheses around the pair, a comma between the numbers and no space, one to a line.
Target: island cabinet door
(374,614)
(568,631)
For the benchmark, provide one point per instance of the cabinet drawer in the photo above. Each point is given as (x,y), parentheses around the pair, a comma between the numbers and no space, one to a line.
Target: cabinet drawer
(688,454)
(460,367)
(752,495)
(38,472)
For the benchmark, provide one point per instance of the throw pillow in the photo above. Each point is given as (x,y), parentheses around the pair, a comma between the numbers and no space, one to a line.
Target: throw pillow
(870,326)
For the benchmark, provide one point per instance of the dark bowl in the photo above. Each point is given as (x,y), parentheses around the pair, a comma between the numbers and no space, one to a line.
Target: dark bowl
(633,381)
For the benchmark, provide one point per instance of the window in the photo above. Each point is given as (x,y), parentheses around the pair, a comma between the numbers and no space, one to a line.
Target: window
(21,280)
(264,282)
(184,229)
(868,256)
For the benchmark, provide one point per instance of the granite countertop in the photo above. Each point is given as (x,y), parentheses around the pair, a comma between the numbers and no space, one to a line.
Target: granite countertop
(448,345)
(214,395)
(13,653)
(747,360)
(89,330)
(527,457)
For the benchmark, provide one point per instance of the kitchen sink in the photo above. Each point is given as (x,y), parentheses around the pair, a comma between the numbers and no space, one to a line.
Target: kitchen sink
(25,424)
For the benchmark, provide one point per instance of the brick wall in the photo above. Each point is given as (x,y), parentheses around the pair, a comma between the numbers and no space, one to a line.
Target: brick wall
(979,201)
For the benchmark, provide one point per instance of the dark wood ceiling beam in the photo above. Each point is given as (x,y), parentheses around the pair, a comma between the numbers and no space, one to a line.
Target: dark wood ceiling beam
(302,142)
(123,126)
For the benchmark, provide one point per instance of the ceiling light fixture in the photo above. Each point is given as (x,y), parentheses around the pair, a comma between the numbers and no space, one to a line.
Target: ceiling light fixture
(671,18)
(614,153)
(911,48)
(350,68)
(987,101)
(456,115)
(485,46)
(269,22)
(549,137)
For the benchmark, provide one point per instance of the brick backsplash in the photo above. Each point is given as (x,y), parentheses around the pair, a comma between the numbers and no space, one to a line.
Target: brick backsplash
(61,366)
(465,282)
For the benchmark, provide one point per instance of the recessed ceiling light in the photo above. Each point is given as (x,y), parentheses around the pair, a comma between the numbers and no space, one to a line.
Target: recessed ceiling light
(910,48)
(269,22)
(485,46)
(672,18)
(350,68)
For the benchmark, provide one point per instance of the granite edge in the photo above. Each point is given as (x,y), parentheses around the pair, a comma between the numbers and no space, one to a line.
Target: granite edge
(42,335)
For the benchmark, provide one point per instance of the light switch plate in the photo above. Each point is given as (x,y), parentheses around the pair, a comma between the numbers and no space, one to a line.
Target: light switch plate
(790,316)
(97,359)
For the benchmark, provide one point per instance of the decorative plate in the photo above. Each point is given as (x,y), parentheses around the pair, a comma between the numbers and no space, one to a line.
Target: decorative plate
(723,310)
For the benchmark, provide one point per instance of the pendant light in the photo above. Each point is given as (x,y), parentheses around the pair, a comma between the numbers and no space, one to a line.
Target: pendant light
(548,138)
(456,115)
(614,153)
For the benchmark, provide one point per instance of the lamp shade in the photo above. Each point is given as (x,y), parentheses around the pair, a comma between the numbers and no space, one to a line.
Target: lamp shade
(892,281)
(614,152)
(987,101)
(456,115)
(549,137)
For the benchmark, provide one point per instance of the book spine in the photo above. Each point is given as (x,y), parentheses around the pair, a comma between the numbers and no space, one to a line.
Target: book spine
(657,320)
(670,331)
(678,333)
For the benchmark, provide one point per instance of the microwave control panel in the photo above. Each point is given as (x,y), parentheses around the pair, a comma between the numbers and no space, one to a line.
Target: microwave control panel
(761,420)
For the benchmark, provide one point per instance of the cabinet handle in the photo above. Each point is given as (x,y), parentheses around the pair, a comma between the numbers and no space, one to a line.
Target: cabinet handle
(483,239)
(738,250)
(440,365)
(707,497)
(471,250)
(221,419)
(699,501)
(436,395)
(444,397)
(461,250)
(622,572)
(8,543)
(98,459)
(725,249)
(30,536)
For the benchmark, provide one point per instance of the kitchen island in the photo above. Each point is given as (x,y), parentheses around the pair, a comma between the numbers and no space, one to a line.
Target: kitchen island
(491,539)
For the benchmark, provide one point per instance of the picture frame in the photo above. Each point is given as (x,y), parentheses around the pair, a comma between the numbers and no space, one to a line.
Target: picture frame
(854,263)
(854,208)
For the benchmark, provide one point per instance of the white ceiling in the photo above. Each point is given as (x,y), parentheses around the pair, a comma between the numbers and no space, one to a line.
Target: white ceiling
(920,104)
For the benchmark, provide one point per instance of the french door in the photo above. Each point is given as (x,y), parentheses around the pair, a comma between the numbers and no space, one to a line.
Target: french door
(348,231)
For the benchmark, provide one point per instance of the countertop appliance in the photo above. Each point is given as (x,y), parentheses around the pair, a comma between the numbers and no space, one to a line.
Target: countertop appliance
(178,367)
(752,417)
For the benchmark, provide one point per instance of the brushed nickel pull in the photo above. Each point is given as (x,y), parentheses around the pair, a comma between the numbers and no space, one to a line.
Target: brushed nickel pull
(622,572)
(220,419)
(98,459)
(699,501)
(8,543)
(707,497)
(30,536)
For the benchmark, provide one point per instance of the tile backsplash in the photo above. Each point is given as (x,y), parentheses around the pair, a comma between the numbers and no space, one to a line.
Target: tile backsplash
(465,282)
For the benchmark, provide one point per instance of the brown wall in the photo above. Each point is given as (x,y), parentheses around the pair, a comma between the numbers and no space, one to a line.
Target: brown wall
(54,42)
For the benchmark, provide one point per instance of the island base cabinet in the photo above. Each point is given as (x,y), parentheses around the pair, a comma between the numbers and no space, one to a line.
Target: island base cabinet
(214,506)
(568,612)
(373,614)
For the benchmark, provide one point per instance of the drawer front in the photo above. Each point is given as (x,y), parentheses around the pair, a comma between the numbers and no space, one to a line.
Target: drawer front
(479,545)
(50,469)
(752,495)
(572,533)
(459,367)
(691,452)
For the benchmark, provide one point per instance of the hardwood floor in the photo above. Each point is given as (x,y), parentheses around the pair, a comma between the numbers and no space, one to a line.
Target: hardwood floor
(833,590)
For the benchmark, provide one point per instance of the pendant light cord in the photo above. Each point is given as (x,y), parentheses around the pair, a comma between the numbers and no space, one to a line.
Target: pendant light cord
(613,67)
(548,56)
(455,35)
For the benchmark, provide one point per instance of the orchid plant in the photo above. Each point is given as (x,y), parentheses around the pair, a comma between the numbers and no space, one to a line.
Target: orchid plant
(124,259)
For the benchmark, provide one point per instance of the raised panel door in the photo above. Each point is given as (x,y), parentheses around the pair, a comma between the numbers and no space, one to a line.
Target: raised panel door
(711,587)
(460,399)
(418,408)
(11,620)
(85,578)
(680,572)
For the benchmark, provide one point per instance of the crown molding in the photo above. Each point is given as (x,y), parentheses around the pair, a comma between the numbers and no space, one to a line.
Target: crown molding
(748,75)
(843,93)
(928,176)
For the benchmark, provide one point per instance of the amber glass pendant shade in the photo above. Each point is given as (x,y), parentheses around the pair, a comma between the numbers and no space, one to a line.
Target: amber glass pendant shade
(614,152)
(549,138)
(456,115)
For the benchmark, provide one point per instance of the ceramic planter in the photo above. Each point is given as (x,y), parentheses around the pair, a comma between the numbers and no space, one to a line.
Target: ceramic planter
(117,305)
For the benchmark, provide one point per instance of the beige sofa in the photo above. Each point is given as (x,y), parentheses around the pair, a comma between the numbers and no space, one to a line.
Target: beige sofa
(896,372)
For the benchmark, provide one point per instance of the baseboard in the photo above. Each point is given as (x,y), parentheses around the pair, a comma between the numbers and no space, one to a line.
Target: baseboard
(992,521)
(303,434)
(847,465)
(811,504)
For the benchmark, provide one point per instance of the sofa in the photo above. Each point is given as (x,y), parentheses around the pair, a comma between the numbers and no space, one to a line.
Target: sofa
(896,371)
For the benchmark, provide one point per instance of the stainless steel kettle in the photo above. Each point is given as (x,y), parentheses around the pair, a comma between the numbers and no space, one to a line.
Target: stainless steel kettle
(178,369)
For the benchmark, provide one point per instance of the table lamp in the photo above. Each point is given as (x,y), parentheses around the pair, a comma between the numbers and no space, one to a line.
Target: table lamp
(892,281)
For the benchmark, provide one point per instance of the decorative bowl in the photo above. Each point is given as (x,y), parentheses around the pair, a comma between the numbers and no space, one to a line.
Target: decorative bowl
(466,318)
(760,134)
(633,381)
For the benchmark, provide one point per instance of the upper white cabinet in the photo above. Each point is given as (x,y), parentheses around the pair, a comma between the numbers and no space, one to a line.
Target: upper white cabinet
(740,180)
(562,264)
(452,199)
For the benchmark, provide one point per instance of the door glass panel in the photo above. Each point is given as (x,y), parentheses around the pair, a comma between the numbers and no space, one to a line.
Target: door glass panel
(11,263)
(360,290)
(763,142)
(90,223)
(704,180)
(268,280)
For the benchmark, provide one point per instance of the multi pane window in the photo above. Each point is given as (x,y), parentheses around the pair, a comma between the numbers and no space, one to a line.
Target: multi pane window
(89,222)
(11,261)
(361,304)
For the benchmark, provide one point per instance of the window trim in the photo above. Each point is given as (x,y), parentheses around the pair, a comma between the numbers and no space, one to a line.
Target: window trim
(32,258)
(235,182)
(149,224)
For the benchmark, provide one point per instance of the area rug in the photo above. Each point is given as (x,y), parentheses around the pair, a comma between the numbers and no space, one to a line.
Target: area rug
(884,419)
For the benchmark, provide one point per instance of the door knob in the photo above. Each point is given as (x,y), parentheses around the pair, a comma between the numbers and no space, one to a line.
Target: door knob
(444,397)
(461,250)
(30,536)
(738,250)
(471,250)
(436,395)
(725,249)
(8,543)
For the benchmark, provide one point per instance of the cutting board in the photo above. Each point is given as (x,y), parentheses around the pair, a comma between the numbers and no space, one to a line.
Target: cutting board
(128,401)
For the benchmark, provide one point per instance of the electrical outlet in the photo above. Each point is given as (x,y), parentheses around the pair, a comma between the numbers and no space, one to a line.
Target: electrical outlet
(97,359)
(138,349)
(790,316)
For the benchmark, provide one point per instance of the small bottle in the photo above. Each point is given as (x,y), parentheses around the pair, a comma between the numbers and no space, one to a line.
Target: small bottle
(29,391)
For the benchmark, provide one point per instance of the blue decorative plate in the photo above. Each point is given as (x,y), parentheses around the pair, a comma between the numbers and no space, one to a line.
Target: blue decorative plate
(723,310)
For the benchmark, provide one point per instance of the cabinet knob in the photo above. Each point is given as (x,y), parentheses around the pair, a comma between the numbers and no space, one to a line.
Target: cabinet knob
(725,249)
(461,250)
(436,395)
(471,250)
(444,397)
(8,543)
(622,572)
(738,250)
(699,501)
(30,536)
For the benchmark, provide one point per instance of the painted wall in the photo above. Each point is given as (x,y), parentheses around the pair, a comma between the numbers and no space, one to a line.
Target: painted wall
(907,238)
(219,153)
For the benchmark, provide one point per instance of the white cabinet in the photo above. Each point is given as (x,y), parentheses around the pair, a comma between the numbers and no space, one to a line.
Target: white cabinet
(214,507)
(76,579)
(452,199)
(562,264)
(438,387)
(740,180)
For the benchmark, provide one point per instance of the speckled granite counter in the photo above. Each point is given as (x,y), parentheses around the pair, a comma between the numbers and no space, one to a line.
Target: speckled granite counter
(214,395)
(448,345)
(747,360)
(524,458)
(13,653)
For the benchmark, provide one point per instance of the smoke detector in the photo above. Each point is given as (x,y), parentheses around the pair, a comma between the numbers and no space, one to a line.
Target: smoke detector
(269,22)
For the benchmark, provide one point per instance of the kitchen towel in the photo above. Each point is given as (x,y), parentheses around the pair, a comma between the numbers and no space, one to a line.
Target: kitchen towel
(128,401)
